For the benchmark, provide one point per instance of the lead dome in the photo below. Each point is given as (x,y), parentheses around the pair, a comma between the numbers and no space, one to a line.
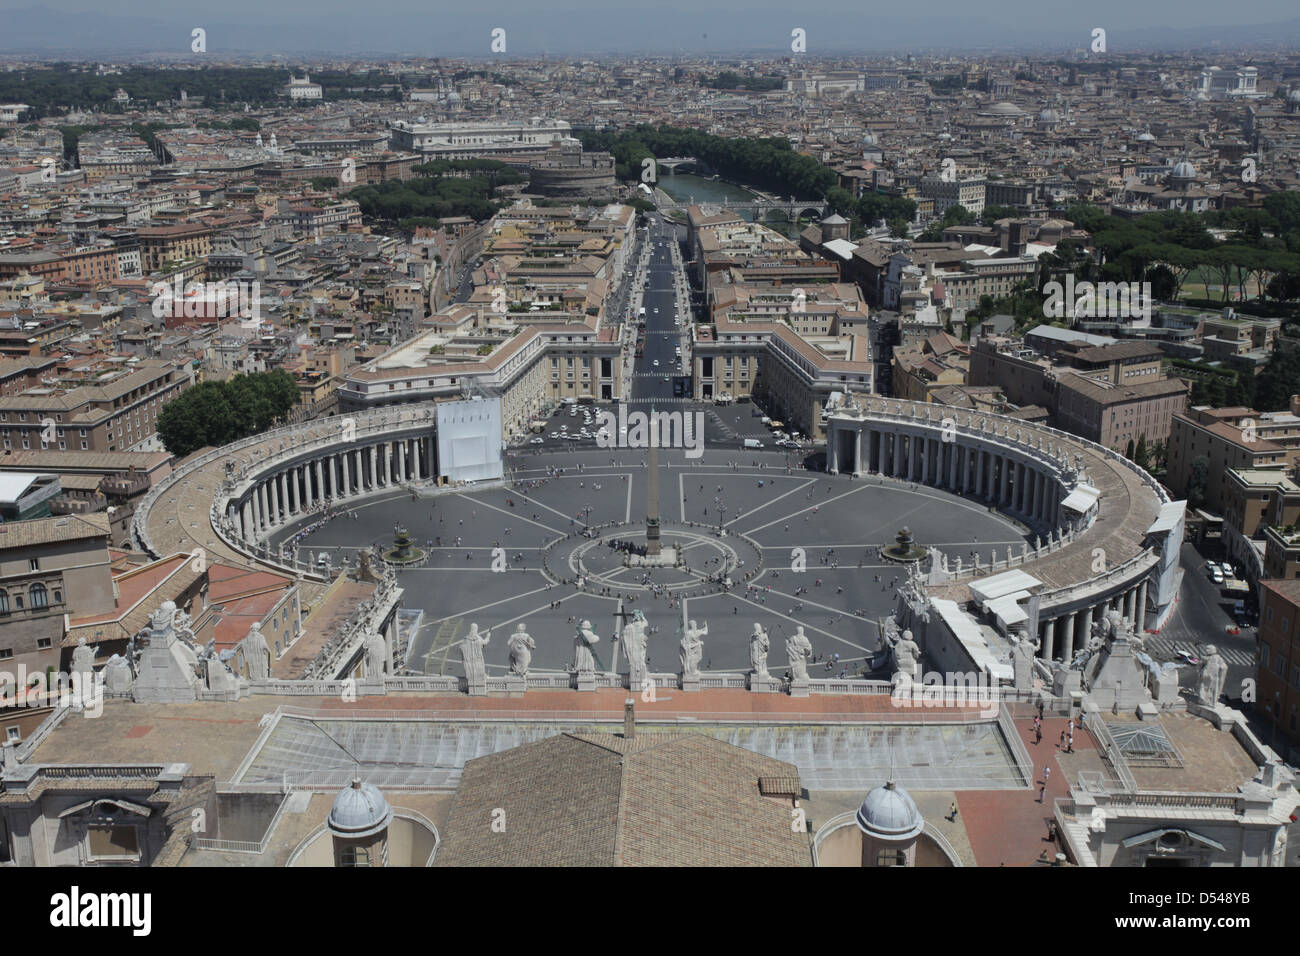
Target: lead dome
(359,810)
(889,813)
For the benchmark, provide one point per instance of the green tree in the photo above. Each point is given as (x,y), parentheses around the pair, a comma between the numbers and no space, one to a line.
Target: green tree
(217,413)
(1278,380)
(1196,483)
(1141,456)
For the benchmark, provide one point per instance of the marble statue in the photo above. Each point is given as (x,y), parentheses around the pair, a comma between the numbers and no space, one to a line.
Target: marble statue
(798,649)
(117,676)
(634,646)
(161,619)
(257,656)
(376,654)
(906,655)
(521,651)
(83,658)
(692,649)
(758,648)
(471,652)
(1023,652)
(1209,680)
(583,641)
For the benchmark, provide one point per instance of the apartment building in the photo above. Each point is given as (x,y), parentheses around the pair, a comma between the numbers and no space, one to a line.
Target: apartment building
(923,368)
(1115,414)
(49,568)
(1237,438)
(1102,393)
(160,245)
(104,406)
(527,366)
(1277,672)
(1240,343)
(492,140)
(967,192)
(754,347)
(1282,552)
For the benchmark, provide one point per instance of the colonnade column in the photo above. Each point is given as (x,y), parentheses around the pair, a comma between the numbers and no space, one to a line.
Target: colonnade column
(1140,611)
(1068,637)
(1049,639)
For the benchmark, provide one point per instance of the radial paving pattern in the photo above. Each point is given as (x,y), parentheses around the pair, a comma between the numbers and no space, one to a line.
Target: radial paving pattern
(799,548)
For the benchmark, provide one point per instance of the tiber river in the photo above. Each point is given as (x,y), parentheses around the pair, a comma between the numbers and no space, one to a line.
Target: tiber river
(687,187)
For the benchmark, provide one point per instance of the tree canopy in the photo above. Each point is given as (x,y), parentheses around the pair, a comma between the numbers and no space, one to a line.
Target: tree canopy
(441,189)
(217,413)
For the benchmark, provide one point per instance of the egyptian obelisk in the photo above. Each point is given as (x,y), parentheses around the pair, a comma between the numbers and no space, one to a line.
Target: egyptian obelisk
(652,492)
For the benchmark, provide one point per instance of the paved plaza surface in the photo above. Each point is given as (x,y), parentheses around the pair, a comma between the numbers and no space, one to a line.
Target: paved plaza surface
(775,520)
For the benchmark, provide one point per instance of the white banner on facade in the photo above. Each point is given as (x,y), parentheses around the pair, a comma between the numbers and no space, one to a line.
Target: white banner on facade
(469,440)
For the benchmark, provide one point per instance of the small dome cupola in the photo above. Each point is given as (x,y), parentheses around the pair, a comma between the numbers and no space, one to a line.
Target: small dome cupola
(889,814)
(359,810)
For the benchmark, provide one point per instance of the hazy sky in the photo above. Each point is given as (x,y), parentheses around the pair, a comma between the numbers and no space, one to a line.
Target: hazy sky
(593,26)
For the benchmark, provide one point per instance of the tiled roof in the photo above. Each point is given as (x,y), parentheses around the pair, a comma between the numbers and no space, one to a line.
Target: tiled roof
(657,799)
(20,534)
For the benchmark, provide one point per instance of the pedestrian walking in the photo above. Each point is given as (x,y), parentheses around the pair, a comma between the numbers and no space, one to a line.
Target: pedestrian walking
(952,812)
(1047,773)
(1038,735)
(1042,792)
(1061,742)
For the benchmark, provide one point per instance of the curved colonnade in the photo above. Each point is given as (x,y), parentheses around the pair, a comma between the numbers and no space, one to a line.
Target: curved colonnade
(1095,513)
(225,503)
(1107,532)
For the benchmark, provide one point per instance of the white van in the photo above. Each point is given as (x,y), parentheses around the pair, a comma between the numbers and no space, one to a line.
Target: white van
(753,443)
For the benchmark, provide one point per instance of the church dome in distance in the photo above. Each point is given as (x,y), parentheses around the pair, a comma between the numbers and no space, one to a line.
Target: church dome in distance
(1294,96)
(1005,109)
(890,813)
(1146,138)
(1049,116)
(1183,170)
(359,810)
